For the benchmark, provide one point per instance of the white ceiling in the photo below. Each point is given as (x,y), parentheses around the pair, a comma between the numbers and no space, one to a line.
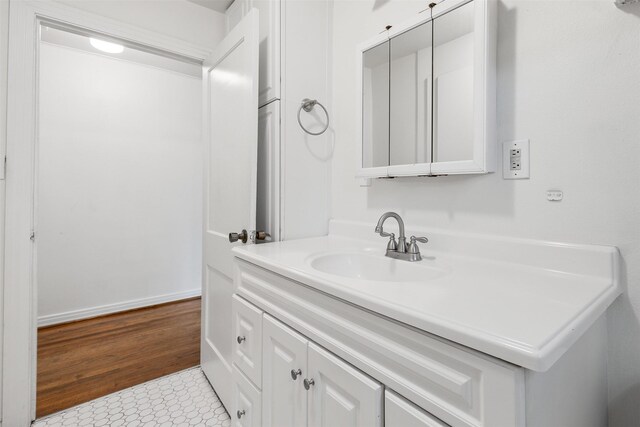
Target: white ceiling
(217,5)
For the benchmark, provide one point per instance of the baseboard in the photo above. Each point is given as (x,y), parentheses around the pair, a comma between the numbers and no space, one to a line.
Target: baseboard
(86,313)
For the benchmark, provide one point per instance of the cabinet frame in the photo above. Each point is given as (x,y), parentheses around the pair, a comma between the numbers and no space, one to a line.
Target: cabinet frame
(484,120)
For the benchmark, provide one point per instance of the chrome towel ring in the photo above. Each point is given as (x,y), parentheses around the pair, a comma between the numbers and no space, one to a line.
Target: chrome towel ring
(308,105)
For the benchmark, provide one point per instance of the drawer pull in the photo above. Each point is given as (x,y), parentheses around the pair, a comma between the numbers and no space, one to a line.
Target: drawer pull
(240,339)
(308,383)
(295,374)
(240,413)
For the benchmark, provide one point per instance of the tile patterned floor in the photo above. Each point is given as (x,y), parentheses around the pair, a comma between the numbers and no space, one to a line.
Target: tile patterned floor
(181,399)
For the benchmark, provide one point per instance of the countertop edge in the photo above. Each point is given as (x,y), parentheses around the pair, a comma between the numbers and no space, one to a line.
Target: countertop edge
(533,358)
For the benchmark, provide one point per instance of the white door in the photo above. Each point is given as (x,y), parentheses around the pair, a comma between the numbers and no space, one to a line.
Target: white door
(230,117)
(339,394)
(284,369)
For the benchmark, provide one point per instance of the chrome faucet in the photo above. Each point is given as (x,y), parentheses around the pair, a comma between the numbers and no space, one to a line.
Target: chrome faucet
(399,249)
(401,246)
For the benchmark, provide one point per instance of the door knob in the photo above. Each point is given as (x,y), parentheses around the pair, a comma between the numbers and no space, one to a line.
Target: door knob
(240,339)
(242,236)
(261,235)
(308,383)
(295,374)
(240,413)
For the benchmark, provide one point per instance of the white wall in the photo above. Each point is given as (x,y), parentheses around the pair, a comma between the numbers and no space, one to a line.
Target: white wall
(119,197)
(306,73)
(568,80)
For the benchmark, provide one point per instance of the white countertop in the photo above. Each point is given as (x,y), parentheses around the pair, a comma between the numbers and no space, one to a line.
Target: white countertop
(498,296)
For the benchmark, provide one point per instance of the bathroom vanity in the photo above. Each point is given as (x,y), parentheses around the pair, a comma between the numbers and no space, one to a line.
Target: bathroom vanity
(483,331)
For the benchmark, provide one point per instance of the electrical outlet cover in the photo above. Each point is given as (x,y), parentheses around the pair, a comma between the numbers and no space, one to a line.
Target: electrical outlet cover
(523,171)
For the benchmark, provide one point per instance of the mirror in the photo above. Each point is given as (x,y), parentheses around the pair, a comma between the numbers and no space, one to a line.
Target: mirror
(428,93)
(410,97)
(375,106)
(453,98)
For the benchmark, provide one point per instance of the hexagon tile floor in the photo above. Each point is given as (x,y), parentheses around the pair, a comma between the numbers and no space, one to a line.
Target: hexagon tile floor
(181,399)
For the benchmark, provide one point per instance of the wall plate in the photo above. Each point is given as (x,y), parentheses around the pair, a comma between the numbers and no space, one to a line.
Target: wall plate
(554,195)
(515,159)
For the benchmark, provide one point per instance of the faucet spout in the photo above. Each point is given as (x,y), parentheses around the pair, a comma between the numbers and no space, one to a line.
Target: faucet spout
(401,238)
(387,215)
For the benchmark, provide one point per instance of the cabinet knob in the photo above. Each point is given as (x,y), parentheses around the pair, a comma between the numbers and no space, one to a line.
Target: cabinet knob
(295,374)
(308,382)
(240,339)
(240,413)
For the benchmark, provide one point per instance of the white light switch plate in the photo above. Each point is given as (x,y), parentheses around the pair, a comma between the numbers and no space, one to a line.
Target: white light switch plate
(515,159)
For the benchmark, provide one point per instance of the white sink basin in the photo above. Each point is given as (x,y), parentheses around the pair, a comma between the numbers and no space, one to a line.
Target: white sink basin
(376,267)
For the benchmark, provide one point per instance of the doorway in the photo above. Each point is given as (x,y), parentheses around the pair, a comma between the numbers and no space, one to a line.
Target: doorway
(20,313)
(118,215)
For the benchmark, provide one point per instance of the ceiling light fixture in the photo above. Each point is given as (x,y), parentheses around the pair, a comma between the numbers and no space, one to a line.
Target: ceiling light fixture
(106,46)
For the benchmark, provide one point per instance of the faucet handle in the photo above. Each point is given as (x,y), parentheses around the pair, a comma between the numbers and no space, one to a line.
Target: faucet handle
(414,239)
(413,246)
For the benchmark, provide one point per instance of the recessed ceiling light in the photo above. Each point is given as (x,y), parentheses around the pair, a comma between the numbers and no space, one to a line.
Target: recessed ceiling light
(106,46)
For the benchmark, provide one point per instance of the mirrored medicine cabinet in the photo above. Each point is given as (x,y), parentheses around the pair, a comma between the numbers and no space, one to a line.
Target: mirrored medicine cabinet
(426,94)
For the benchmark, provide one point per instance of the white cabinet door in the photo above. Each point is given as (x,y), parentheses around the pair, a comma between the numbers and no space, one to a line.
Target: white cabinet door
(247,339)
(230,133)
(285,367)
(247,402)
(269,42)
(269,49)
(399,412)
(268,209)
(339,394)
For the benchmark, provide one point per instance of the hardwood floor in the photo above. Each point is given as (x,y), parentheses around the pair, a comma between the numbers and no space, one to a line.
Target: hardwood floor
(83,360)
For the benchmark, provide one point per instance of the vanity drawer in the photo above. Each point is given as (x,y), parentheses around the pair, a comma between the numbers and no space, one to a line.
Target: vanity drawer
(247,339)
(399,412)
(456,384)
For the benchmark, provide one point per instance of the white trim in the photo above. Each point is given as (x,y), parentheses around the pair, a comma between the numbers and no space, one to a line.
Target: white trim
(87,313)
(19,347)
(62,14)
(4,52)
